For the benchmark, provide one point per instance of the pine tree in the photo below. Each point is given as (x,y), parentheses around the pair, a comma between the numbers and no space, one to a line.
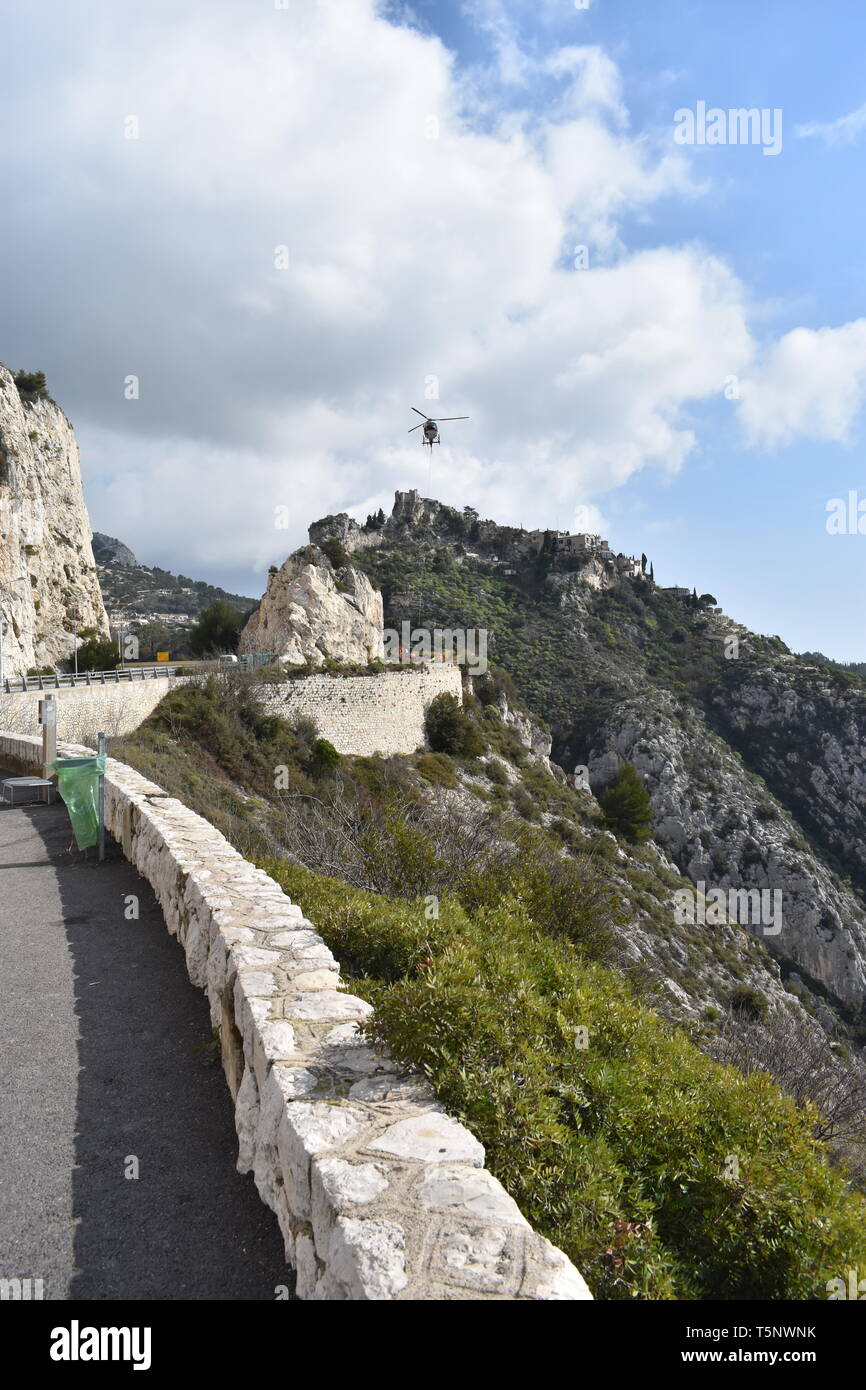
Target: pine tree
(626,805)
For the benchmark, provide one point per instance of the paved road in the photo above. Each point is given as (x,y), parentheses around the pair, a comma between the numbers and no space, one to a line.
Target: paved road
(106,1055)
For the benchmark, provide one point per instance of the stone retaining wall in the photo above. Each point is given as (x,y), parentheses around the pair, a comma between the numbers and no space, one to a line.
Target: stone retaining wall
(358,714)
(366,714)
(83,711)
(379,1194)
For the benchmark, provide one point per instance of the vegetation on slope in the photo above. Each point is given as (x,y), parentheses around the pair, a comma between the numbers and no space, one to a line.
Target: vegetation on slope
(662,1173)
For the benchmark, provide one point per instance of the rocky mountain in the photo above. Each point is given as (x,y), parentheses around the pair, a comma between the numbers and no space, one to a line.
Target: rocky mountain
(107,550)
(48,576)
(753,758)
(315,608)
(145,593)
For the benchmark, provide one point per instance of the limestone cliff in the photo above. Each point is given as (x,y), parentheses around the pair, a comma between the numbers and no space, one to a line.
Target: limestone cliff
(723,828)
(47,570)
(312,611)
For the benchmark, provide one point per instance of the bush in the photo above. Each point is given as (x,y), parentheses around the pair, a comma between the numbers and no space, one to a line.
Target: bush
(749,1002)
(626,805)
(450,730)
(31,386)
(617,1152)
(336,552)
(524,803)
(437,768)
(495,770)
(323,758)
(217,630)
(96,653)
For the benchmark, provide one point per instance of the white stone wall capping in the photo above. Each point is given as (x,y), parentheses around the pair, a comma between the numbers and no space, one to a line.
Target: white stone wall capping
(379,1194)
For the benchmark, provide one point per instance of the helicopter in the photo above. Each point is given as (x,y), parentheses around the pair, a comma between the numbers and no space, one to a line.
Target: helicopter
(431,427)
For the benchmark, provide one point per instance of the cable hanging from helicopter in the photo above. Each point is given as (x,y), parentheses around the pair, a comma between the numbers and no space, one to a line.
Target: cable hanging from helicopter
(431,426)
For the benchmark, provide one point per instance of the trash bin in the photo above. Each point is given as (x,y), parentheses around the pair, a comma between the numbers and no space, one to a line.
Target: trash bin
(78,784)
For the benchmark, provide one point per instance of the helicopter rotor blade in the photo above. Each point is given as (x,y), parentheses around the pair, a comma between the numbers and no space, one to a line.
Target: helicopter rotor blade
(451,417)
(413,429)
(418,412)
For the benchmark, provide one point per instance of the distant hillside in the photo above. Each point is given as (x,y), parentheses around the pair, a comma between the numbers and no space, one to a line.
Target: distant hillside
(147,593)
(856,668)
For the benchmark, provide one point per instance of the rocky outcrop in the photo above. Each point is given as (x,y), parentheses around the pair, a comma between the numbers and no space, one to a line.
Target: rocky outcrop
(724,829)
(47,569)
(312,611)
(804,730)
(428,525)
(107,550)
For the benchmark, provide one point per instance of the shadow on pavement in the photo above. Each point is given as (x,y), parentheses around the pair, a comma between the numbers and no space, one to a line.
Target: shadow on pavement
(151,1092)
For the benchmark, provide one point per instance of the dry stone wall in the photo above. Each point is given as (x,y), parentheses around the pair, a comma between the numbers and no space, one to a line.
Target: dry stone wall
(366,714)
(379,1194)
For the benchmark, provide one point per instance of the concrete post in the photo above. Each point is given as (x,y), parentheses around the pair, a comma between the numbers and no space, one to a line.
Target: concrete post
(48,720)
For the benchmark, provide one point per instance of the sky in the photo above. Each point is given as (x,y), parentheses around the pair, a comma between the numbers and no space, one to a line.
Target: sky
(243,238)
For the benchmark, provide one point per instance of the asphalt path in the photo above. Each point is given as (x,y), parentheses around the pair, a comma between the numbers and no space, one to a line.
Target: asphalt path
(108,1069)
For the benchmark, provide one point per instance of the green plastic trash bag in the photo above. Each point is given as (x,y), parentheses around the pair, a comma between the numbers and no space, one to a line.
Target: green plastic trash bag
(78,784)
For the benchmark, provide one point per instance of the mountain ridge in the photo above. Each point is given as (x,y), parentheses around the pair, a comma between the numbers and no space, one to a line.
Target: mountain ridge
(751,756)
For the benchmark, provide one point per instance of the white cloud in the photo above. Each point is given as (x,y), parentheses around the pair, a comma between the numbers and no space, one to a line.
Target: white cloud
(811,384)
(843,131)
(409,257)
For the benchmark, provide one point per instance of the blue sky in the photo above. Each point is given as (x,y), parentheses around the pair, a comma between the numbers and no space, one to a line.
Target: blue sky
(597,393)
(749,524)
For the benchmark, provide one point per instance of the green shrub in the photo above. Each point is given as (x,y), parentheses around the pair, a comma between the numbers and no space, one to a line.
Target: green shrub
(626,805)
(336,552)
(749,1002)
(437,768)
(323,758)
(31,386)
(217,630)
(96,653)
(524,803)
(619,1151)
(450,730)
(494,770)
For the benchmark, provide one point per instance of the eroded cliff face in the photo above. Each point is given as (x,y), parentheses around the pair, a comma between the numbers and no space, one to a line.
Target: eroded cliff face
(722,827)
(47,570)
(804,730)
(312,611)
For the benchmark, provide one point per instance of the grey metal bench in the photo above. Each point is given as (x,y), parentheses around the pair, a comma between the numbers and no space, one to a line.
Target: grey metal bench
(33,785)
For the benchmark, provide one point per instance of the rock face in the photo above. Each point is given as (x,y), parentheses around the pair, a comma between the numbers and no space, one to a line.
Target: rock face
(312,611)
(424,522)
(47,570)
(107,550)
(723,828)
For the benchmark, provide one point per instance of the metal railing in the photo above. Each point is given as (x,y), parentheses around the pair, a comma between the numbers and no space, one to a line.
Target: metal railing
(21,684)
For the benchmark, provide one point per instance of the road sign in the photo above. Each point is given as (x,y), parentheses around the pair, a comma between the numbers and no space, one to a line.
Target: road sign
(162,656)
